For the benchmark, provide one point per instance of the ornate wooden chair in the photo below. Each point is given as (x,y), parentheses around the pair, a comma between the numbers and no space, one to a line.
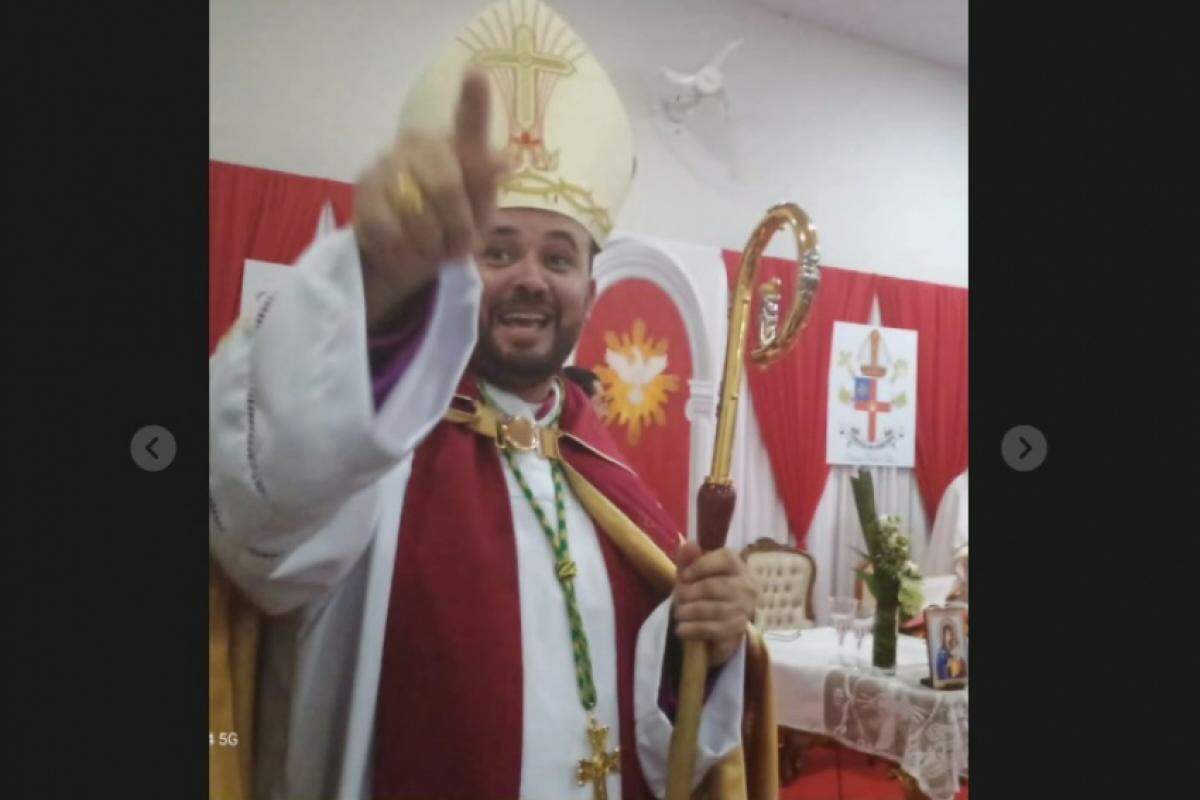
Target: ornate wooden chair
(784,577)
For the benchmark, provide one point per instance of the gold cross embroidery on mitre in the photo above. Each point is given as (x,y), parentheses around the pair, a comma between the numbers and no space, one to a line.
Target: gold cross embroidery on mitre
(526,63)
(595,770)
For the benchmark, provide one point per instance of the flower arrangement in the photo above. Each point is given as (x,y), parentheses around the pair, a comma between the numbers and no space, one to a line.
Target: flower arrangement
(891,559)
(892,578)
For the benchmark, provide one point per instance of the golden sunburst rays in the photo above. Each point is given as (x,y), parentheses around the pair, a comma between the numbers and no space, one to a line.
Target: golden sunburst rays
(636,384)
(523,47)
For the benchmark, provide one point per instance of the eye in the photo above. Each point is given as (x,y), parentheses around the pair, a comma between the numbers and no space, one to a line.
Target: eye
(559,262)
(497,256)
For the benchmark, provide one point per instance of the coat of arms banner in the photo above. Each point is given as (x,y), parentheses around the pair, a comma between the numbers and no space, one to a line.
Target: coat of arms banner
(872,396)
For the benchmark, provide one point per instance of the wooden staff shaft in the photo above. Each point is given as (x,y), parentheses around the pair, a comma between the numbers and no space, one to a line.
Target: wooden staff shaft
(714,505)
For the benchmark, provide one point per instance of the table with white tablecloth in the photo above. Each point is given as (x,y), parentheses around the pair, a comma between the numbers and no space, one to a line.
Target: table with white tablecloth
(821,689)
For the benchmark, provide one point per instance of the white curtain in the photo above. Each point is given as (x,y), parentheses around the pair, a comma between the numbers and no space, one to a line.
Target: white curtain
(326,223)
(758,513)
(835,531)
(949,531)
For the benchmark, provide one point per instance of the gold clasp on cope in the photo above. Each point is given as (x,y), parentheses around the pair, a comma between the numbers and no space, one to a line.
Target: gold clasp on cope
(520,434)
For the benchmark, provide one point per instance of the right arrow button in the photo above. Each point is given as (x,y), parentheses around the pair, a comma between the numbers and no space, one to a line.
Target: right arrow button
(1024,448)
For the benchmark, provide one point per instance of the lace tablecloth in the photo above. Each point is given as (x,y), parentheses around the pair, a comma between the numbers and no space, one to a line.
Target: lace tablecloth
(923,730)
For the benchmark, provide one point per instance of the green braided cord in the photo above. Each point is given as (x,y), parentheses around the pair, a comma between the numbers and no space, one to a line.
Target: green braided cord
(557,537)
(562,556)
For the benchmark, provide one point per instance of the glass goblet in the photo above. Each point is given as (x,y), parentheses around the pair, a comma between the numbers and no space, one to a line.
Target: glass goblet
(841,613)
(861,626)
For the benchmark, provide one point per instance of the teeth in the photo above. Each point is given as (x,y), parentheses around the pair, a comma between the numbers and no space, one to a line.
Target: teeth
(536,319)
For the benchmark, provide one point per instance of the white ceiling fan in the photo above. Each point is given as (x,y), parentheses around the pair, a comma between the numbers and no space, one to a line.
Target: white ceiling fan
(694,88)
(694,117)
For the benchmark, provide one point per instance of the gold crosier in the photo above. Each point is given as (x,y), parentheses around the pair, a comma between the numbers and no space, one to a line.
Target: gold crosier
(779,341)
(715,499)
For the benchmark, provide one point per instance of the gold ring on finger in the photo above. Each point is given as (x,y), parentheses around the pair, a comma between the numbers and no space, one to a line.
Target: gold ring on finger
(407,196)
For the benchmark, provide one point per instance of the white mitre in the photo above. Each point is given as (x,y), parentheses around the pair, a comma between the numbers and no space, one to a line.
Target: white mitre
(554,112)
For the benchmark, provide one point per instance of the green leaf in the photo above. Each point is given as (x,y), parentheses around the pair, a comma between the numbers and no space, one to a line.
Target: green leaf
(868,580)
(864,502)
(911,598)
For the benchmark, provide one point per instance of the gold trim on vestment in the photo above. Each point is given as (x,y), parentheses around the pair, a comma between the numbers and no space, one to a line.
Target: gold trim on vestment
(650,561)
(233,633)
(534,184)
(605,456)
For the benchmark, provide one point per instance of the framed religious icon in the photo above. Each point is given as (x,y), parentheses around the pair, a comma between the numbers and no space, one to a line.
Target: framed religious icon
(946,640)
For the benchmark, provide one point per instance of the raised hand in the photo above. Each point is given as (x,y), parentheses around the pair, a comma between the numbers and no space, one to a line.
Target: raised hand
(424,202)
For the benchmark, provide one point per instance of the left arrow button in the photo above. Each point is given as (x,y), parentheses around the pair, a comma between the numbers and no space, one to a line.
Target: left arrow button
(153,448)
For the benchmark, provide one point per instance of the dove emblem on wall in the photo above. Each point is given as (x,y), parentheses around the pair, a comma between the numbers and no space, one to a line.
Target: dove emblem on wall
(636,383)
(636,372)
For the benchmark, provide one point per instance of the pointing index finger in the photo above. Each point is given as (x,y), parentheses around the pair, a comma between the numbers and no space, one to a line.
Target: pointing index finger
(471,119)
(481,168)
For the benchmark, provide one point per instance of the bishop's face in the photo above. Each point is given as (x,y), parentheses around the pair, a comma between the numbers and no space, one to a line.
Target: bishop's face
(537,293)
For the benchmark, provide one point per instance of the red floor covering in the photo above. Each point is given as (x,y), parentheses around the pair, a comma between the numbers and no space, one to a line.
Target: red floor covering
(840,774)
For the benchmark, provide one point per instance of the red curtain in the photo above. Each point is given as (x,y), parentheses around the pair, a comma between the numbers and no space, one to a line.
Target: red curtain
(939,316)
(264,215)
(649,426)
(790,396)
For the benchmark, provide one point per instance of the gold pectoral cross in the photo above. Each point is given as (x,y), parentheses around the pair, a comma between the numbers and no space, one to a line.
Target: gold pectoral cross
(595,770)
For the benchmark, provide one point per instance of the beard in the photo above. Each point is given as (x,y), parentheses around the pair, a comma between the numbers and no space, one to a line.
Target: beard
(519,370)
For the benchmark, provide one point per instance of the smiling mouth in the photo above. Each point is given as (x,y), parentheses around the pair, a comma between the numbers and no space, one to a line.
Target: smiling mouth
(524,319)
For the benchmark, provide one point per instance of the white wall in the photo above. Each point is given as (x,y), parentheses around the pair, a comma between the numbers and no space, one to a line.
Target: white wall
(873,144)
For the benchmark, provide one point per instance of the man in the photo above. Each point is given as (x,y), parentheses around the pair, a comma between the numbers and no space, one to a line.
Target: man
(398,473)
(591,385)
